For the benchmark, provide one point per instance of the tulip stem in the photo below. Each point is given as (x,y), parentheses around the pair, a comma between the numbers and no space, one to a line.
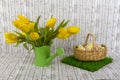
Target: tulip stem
(44,43)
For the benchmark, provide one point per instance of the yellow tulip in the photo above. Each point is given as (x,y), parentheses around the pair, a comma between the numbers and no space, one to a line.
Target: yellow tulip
(63,34)
(34,35)
(31,26)
(16,23)
(22,26)
(11,38)
(25,28)
(73,29)
(51,22)
(24,19)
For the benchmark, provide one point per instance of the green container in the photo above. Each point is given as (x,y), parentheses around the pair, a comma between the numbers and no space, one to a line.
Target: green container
(43,57)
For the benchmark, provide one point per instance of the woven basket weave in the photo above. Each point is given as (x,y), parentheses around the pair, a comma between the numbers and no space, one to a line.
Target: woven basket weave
(93,55)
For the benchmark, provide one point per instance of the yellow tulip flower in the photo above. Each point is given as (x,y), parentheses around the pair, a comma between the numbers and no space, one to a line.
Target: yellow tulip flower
(73,29)
(34,35)
(11,38)
(24,19)
(25,28)
(63,34)
(22,26)
(16,23)
(31,26)
(51,22)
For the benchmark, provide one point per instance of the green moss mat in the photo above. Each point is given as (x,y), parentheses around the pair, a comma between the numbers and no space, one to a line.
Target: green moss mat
(87,65)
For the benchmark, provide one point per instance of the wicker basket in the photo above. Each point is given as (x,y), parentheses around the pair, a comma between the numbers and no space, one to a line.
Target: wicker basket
(93,55)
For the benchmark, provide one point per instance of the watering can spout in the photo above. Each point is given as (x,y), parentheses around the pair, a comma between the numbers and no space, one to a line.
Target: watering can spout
(59,52)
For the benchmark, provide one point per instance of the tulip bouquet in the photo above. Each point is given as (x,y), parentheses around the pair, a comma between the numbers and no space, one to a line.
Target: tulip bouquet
(40,38)
(31,33)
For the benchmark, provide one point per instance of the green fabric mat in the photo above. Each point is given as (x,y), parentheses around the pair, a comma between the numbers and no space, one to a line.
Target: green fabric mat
(87,65)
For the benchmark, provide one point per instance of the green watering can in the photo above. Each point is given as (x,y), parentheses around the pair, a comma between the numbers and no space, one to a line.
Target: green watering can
(43,57)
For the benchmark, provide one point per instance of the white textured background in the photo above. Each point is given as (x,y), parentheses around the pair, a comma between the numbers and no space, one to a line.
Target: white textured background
(100,17)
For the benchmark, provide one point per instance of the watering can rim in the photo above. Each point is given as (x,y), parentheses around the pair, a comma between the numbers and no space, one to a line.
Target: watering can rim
(42,46)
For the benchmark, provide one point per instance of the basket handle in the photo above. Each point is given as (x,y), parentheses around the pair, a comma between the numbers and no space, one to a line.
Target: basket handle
(93,38)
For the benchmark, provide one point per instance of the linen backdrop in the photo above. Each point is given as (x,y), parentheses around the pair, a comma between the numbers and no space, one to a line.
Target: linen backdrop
(100,17)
